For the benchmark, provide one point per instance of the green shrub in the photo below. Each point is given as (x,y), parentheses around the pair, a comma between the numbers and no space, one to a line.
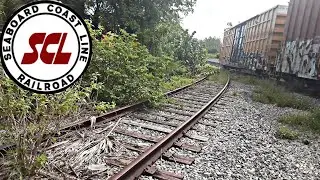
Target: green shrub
(176,82)
(129,73)
(191,53)
(208,70)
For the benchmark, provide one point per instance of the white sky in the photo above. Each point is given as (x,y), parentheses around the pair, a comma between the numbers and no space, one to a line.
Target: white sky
(210,17)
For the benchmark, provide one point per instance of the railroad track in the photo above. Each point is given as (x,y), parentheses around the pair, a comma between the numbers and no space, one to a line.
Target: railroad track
(125,143)
(197,102)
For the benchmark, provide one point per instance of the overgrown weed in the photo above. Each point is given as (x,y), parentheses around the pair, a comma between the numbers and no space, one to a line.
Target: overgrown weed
(304,121)
(269,92)
(220,77)
(287,133)
(246,79)
(176,82)
(27,118)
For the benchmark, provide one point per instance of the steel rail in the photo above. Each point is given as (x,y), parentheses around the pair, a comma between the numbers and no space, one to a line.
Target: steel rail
(146,159)
(109,116)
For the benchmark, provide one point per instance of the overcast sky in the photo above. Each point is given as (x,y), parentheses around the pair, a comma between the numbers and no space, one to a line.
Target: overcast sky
(210,17)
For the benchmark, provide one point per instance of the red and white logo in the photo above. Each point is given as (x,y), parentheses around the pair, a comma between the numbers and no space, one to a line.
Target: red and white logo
(45,47)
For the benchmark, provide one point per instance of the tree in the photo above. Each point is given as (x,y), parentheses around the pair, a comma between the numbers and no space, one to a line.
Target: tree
(7,8)
(78,5)
(212,44)
(133,15)
(191,52)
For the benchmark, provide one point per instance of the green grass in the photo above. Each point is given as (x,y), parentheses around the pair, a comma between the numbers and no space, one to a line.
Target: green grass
(220,77)
(213,56)
(269,92)
(246,79)
(176,82)
(286,133)
(309,121)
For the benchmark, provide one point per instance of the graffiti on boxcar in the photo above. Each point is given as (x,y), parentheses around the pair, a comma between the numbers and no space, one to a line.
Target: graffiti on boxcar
(252,61)
(300,58)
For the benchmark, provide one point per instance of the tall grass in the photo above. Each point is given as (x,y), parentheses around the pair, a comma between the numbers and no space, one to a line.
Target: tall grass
(286,133)
(305,121)
(269,92)
(246,79)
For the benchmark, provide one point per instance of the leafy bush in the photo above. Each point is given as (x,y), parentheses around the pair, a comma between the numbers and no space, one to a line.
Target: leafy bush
(176,82)
(163,40)
(208,70)
(191,53)
(171,40)
(129,73)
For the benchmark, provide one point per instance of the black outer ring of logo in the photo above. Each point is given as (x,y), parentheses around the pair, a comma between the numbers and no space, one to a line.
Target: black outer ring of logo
(3,61)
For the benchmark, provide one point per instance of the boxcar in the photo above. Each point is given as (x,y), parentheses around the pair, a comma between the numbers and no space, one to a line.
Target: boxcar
(300,52)
(254,44)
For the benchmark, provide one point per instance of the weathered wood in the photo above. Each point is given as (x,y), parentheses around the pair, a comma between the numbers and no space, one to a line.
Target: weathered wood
(155,140)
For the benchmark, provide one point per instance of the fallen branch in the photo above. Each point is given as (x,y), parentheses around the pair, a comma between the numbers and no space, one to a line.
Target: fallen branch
(56,145)
(99,132)
(113,128)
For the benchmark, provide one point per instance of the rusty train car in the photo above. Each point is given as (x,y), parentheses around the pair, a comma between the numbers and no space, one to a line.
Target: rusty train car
(287,45)
(254,44)
(300,54)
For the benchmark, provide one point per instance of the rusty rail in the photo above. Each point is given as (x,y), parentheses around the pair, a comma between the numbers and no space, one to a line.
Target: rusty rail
(145,160)
(123,110)
(109,116)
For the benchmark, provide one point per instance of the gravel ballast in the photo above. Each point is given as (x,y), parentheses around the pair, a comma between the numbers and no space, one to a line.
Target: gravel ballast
(244,145)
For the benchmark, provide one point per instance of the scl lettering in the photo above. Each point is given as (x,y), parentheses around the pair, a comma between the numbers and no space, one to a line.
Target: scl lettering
(47,57)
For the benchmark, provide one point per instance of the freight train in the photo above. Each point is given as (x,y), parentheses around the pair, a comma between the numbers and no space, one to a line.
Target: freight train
(283,42)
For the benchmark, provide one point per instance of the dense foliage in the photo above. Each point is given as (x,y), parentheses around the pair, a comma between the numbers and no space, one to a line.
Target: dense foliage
(140,51)
(131,15)
(137,45)
(191,53)
(25,119)
(212,44)
(129,72)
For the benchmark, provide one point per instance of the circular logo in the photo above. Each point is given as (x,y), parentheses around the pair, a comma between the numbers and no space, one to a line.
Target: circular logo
(45,47)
